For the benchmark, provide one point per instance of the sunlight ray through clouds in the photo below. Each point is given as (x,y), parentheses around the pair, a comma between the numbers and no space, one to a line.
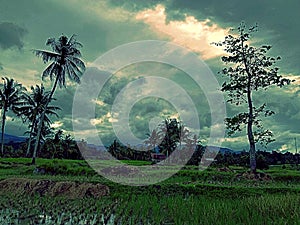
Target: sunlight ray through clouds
(191,33)
(57,124)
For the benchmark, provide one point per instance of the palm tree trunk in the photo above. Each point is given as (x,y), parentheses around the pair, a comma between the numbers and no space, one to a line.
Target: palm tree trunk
(28,146)
(30,138)
(2,130)
(53,151)
(39,133)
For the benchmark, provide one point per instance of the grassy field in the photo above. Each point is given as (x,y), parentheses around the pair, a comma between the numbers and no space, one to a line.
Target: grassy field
(189,197)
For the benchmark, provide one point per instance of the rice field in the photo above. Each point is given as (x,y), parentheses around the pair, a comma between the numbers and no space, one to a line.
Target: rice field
(189,197)
(147,209)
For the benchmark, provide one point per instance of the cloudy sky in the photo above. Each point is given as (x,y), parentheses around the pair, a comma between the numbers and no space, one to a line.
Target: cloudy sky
(102,25)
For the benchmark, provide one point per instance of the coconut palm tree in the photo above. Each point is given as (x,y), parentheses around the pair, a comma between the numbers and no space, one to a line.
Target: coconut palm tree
(183,134)
(54,146)
(10,97)
(169,129)
(47,132)
(154,138)
(71,150)
(32,108)
(65,60)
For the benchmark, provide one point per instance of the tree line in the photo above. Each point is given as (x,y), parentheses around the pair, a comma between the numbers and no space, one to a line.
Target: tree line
(56,145)
(34,107)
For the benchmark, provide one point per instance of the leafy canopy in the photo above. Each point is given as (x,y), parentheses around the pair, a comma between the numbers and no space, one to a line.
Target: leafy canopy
(248,69)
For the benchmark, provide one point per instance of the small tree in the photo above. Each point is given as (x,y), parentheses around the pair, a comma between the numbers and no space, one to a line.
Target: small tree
(248,69)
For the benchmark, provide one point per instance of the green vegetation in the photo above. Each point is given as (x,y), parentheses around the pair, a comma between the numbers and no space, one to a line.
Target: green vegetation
(191,196)
(147,209)
(64,61)
(10,92)
(249,69)
(225,193)
(32,107)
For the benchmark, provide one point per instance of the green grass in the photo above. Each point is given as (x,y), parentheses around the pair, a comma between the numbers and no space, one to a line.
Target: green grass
(190,196)
(147,209)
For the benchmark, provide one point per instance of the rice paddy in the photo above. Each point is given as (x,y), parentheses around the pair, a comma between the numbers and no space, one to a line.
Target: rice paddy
(189,197)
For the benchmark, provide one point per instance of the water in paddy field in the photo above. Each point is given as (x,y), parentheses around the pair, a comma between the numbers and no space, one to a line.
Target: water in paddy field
(11,216)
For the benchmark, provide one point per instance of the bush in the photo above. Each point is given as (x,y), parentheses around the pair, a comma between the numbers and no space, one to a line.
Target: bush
(261,162)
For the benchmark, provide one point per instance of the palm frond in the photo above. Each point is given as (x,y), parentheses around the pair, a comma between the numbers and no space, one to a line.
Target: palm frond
(50,71)
(72,74)
(79,63)
(51,42)
(46,55)
(65,57)
(72,43)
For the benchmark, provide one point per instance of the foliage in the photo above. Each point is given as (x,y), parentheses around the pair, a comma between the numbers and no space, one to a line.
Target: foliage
(169,135)
(122,152)
(154,138)
(249,69)
(32,107)
(65,60)
(60,146)
(197,155)
(10,98)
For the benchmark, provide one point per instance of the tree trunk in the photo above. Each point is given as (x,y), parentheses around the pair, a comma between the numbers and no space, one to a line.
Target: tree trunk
(2,130)
(252,150)
(250,135)
(33,161)
(39,133)
(30,138)
(28,145)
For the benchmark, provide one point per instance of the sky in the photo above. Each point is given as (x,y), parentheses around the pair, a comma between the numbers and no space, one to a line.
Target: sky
(102,25)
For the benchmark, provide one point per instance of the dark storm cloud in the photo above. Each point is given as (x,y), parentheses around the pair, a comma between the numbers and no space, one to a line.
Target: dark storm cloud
(100,28)
(51,18)
(136,5)
(11,35)
(279,21)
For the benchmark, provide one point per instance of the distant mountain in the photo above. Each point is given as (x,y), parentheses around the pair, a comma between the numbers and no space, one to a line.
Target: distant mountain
(13,139)
(97,147)
(212,148)
(228,150)
(223,150)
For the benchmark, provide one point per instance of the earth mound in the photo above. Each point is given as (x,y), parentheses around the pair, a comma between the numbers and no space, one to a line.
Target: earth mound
(124,171)
(254,176)
(225,169)
(68,189)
